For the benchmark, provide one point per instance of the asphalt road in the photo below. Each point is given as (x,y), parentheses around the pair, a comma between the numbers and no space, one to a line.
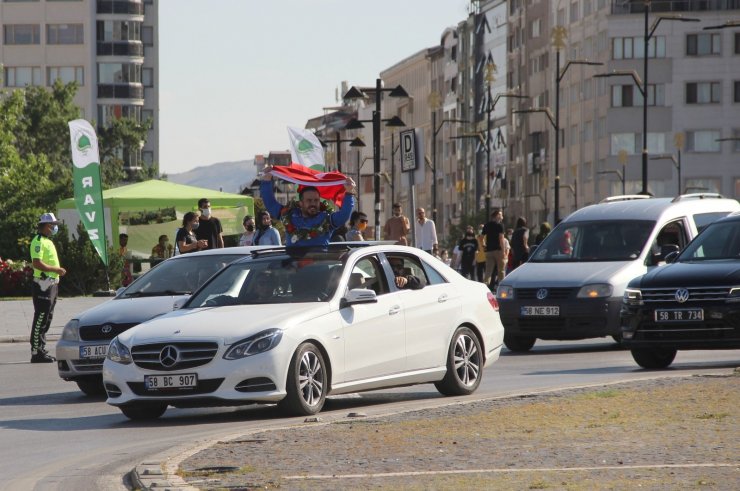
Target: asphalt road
(53,437)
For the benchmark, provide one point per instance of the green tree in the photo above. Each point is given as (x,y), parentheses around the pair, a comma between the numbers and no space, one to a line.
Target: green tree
(121,139)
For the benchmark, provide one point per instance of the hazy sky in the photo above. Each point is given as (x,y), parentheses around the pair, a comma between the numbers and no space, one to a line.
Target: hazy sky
(235,73)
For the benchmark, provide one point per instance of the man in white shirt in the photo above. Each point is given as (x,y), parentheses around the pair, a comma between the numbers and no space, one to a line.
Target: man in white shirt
(426,232)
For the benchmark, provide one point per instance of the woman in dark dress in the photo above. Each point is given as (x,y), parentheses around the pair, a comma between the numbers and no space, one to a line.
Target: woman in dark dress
(520,243)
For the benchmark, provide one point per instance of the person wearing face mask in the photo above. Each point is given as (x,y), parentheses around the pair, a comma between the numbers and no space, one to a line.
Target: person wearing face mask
(358,224)
(397,227)
(266,234)
(210,228)
(186,238)
(247,238)
(468,247)
(46,273)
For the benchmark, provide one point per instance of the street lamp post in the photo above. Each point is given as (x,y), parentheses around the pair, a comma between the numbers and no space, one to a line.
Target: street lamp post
(353,142)
(434,104)
(355,93)
(619,174)
(559,33)
(573,189)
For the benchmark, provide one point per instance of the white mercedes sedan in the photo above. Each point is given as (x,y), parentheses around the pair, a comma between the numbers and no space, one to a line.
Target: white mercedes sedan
(292,326)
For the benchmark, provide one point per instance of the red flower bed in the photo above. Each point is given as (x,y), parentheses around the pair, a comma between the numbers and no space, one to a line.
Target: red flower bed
(15,278)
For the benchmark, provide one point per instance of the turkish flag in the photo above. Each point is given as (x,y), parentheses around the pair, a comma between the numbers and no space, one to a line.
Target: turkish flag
(329,184)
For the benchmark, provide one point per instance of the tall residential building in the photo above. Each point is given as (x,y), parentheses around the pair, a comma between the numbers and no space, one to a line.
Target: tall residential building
(109,47)
(693,89)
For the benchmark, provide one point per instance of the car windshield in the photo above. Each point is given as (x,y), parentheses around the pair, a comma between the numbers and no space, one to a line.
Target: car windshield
(717,241)
(310,277)
(181,276)
(602,240)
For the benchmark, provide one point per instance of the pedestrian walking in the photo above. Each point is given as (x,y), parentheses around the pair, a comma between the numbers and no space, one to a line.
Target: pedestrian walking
(468,247)
(519,243)
(426,232)
(397,227)
(46,274)
(357,223)
(495,248)
(209,227)
(247,237)
(266,234)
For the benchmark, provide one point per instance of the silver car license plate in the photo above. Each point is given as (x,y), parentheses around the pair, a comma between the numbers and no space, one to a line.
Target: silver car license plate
(550,310)
(97,351)
(163,382)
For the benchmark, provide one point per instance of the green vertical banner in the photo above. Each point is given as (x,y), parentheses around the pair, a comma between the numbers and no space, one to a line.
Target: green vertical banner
(87,183)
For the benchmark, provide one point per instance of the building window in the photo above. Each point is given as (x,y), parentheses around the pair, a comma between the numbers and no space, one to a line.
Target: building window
(22,76)
(22,34)
(703,185)
(147,115)
(147,35)
(737,91)
(107,113)
(702,141)
(573,11)
(147,77)
(147,157)
(737,43)
(66,74)
(113,31)
(702,92)
(630,96)
(64,34)
(119,73)
(588,132)
(623,141)
(587,7)
(535,28)
(702,44)
(625,48)
(736,142)
(656,142)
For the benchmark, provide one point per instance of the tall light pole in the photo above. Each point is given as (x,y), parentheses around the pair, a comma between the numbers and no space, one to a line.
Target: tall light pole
(353,142)
(355,93)
(678,139)
(434,104)
(559,34)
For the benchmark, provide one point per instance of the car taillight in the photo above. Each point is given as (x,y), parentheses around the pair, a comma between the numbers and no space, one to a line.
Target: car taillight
(492,300)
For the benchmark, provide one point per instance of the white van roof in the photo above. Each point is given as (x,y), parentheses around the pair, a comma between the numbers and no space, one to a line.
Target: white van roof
(630,207)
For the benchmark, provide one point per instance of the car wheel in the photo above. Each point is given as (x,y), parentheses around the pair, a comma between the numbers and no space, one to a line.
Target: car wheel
(91,386)
(307,382)
(464,365)
(654,357)
(144,411)
(518,343)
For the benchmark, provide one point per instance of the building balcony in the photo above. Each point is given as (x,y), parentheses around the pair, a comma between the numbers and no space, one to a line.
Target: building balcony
(658,6)
(120,7)
(111,91)
(133,48)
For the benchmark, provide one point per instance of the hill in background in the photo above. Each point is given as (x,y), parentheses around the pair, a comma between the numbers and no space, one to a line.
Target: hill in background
(229,177)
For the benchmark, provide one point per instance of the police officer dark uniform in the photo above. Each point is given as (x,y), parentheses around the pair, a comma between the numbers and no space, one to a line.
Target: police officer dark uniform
(46,273)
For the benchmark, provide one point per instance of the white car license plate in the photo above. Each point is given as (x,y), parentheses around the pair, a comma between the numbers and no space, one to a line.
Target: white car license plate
(550,310)
(180,381)
(679,315)
(97,351)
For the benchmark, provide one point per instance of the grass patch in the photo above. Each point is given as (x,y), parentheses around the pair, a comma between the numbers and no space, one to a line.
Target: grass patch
(602,394)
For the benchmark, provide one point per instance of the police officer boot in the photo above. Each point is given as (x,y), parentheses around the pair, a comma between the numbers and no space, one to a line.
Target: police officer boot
(42,357)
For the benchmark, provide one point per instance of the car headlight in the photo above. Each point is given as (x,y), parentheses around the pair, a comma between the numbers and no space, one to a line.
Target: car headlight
(597,290)
(505,292)
(734,295)
(632,296)
(259,343)
(71,331)
(118,352)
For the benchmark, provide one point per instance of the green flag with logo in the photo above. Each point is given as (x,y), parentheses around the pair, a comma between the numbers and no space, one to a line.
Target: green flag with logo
(87,183)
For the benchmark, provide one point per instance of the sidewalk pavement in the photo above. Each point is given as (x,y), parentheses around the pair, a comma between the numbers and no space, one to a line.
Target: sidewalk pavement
(17,316)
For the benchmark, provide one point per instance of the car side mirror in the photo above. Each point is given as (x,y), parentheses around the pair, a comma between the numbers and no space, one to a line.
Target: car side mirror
(671,256)
(358,296)
(177,305)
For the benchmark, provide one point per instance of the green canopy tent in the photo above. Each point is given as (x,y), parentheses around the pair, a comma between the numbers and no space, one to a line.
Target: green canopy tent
(146,210)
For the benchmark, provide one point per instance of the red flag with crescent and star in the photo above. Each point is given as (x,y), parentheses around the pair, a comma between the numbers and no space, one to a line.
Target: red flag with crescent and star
(330,184)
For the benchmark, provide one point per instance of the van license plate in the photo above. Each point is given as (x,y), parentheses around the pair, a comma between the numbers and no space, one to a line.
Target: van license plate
(163,382)
(679,315)
(540,310)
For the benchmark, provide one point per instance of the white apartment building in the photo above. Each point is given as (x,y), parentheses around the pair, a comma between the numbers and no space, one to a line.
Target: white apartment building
(109,47)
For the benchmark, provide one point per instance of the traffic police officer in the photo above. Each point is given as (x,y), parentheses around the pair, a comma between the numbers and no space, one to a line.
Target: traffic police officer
(46,273)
